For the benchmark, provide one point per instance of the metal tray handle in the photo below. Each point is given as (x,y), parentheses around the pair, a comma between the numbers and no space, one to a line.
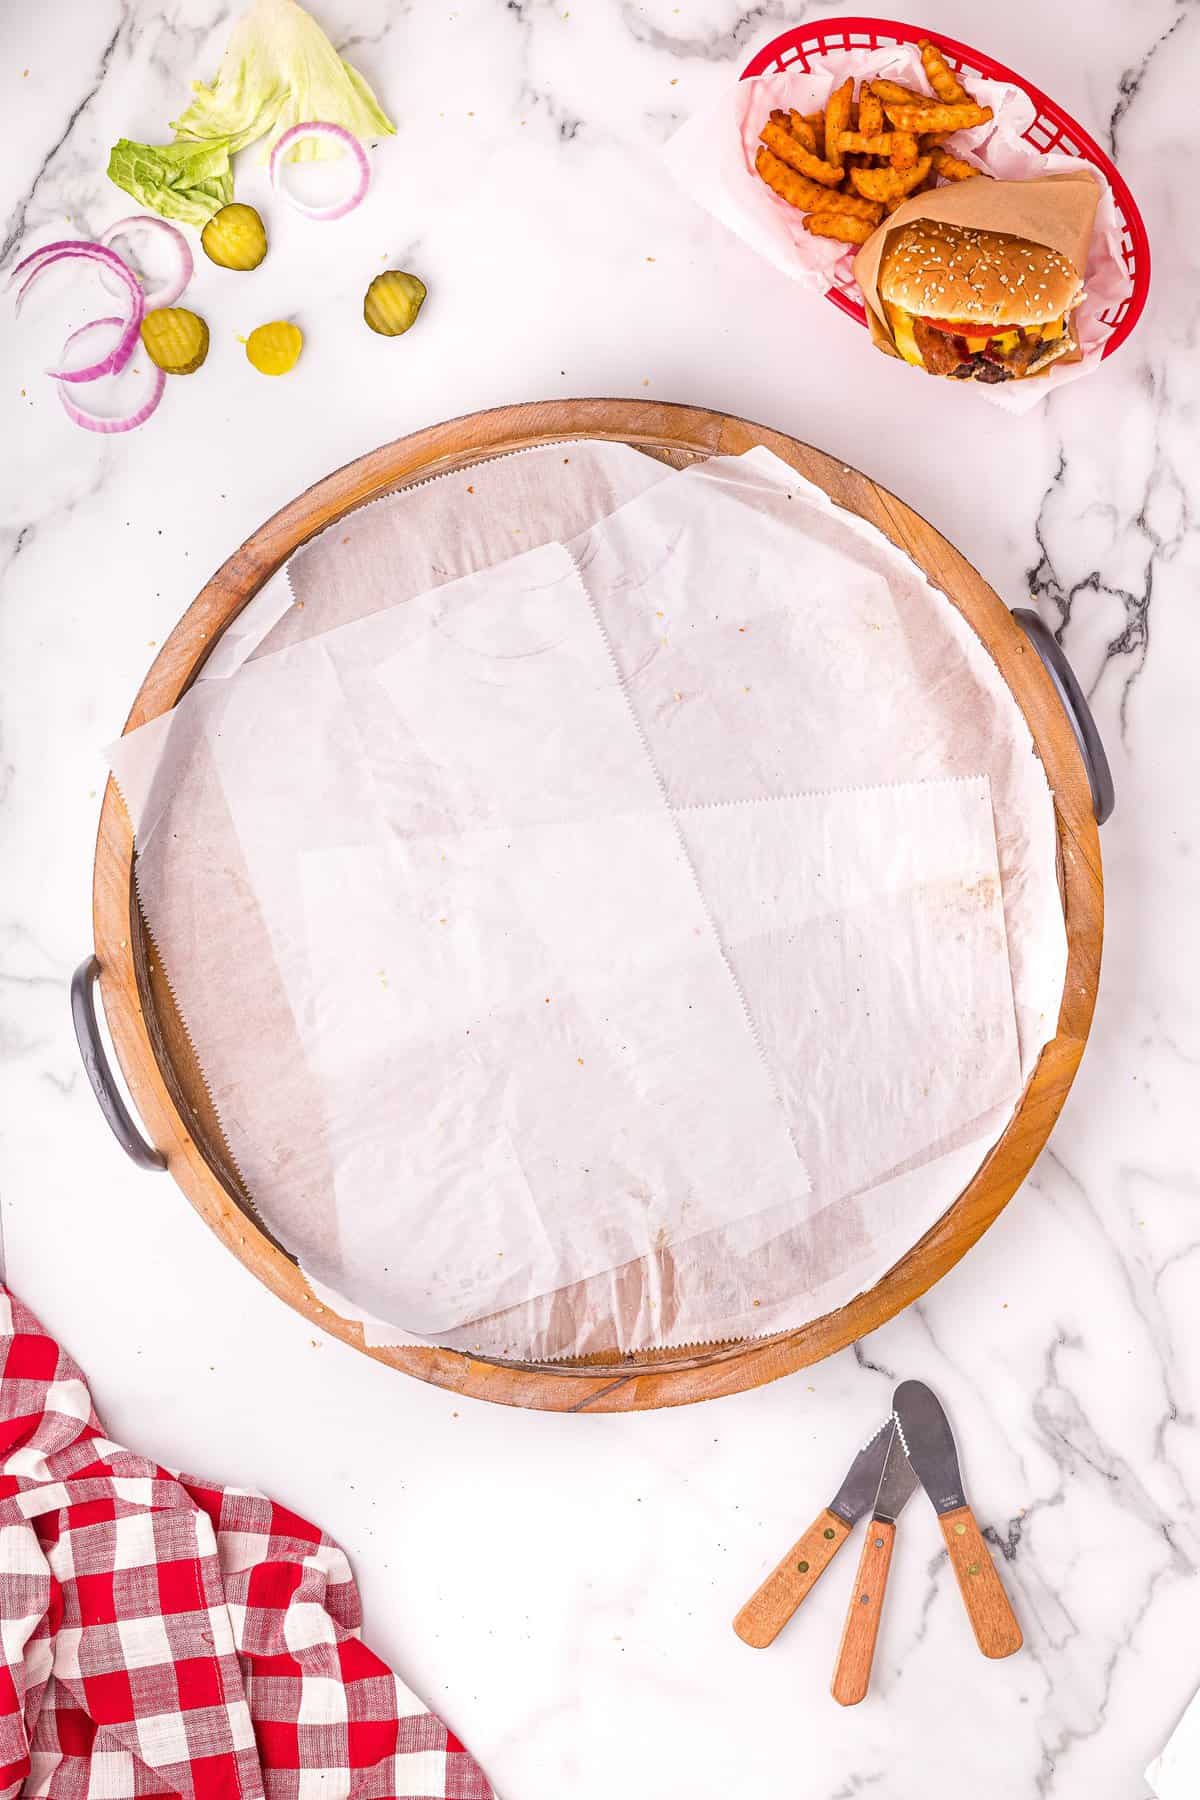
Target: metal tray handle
(1075,705)
(95,1061)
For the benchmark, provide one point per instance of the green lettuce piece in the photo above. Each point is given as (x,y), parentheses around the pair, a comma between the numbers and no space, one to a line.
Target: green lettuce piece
(188,182)
(279,70)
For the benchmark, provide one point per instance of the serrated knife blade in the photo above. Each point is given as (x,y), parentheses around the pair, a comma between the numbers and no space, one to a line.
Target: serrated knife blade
(897,1484)
(853,1499)
(926,1435)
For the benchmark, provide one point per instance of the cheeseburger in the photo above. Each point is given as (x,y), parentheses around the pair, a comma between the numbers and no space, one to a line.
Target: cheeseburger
(977,305)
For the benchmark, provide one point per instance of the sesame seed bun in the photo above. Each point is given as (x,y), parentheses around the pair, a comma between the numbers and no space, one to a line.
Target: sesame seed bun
(943,271)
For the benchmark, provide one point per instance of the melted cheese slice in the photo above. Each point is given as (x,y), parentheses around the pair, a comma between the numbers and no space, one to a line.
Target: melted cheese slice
(902,331)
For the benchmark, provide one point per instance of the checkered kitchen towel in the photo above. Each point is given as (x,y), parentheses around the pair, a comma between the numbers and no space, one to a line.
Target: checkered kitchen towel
(161,1635)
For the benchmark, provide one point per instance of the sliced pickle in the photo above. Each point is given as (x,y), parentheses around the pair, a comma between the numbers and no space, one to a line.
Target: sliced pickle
(393,301)
(176,340)
(275,348)
(235,237)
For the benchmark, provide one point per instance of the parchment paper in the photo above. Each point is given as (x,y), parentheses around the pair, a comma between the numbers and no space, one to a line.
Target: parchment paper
(432,531)
(712,159)
(774,1263)
(1175,1771)
(515,1000)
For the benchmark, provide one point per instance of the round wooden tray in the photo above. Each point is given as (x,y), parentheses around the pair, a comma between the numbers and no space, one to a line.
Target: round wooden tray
(160,1066)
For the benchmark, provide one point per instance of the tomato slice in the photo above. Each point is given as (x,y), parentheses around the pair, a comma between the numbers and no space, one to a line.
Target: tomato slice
(969,328)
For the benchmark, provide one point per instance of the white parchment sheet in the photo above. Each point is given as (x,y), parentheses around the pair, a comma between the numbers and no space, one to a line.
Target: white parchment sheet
(625,937)
(1175,1772)
(516,1002)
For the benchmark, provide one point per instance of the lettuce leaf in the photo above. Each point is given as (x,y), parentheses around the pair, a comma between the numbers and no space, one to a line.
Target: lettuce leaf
(279,69)
(188,182)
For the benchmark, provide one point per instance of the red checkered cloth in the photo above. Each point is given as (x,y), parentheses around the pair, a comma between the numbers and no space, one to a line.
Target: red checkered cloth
(164,1636)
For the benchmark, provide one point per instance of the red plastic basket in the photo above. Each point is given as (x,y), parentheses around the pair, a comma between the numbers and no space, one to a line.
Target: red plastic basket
(1052,129)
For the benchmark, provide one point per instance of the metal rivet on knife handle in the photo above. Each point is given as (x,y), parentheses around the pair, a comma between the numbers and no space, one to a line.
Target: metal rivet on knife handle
(852,1674)
(768,1611)
(992,1620)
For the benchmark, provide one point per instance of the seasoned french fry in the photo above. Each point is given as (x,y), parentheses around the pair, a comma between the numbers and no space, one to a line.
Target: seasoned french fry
(931,140)
(794,122)
(904,150)
(837,119)
(816,124)
(810,196)
(838,225)
(953,168)
(940,76)
(870,113)
(788,183)
(850,204)
(936,117)
(885,184)
(796,189)
(801,130)
(899,95)
(881,145)
(790,151)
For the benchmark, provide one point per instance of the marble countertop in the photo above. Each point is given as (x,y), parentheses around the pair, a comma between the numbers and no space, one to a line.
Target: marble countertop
(561,1588)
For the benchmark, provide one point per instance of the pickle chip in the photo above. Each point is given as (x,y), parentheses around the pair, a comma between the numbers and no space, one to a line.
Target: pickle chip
(275,348)
(176,340)
(393,301)
(235,237)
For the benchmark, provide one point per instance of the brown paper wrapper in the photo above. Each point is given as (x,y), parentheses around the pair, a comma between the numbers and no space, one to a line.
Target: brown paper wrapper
(1056,210)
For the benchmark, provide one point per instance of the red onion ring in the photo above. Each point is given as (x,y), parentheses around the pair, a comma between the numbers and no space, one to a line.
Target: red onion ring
(348,141)
(40,255)
(173,284)
(36,265)
(95,421)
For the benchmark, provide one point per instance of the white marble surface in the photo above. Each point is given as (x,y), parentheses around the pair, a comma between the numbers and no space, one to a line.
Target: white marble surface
(561,1588)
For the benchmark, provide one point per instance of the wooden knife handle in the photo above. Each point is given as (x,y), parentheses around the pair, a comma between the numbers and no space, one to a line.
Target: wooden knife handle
(767,1612)
(852,1674)
(992,1619)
